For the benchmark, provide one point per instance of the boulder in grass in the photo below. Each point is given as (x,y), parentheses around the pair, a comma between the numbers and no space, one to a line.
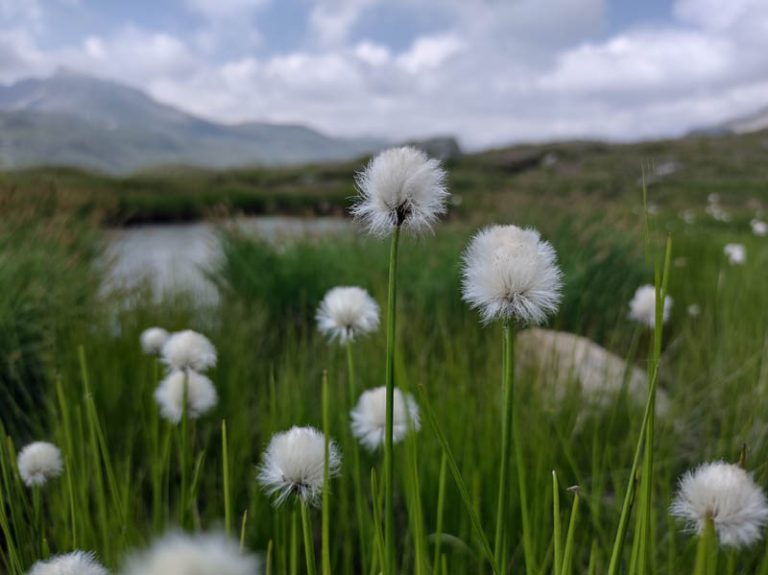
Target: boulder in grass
(563,359)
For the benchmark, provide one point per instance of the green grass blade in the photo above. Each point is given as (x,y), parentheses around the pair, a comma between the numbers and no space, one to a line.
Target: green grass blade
(466,499)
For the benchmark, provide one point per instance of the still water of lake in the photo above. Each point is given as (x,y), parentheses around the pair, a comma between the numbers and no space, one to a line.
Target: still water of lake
(174,257)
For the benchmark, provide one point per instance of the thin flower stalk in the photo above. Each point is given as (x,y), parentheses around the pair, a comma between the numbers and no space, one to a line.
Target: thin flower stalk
(184,454)
(500,541)
(362,524)
(389,471)
(309,544)
(226,480)
(440,510)
(706,551)
(326,509)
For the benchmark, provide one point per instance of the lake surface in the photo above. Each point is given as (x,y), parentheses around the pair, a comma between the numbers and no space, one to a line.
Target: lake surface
(174,257)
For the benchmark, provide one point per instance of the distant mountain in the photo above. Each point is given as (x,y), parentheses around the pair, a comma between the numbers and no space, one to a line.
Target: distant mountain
(742,125)
(77,120)
(750,123)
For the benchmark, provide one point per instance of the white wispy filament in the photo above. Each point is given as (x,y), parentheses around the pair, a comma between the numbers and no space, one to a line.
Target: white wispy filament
(38,462)
(510,273)
(727,495)
(293,465)
(369,417)
(346,313)
(201,395)
(201,554)
(400,187)
(189,350)
(75,563)
(642,307)
(153,339)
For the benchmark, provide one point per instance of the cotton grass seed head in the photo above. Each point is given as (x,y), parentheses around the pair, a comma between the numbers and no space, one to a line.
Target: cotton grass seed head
(293,465)
(201,554)
(736,254)
(642,307)
(153,340)
(201,395)
(727,495)
(346,313)
(510,273)
(189,350)
(38,462)
(75,563)
(370,415)
(400,187)
(759,228)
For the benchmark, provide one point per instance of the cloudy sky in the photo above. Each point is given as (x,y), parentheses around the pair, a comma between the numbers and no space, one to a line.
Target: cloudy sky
(489,71)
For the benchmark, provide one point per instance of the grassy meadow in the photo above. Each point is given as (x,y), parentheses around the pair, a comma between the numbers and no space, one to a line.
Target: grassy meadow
(72,370)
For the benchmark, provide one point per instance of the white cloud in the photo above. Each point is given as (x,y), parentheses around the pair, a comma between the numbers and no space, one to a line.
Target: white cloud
(498,71)
(331,21)
(133,54)
(430,52)
(372,53)
(19,55)
(643,64)
(715,15)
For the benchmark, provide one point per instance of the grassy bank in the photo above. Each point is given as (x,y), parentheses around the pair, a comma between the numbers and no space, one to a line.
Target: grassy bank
(578,174)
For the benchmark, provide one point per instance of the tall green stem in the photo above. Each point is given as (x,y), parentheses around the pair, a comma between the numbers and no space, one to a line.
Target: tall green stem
(294,565)
(646,437)
(326,512)
(38,510)
(158,463)
(506,428)
(389,473)
(183,455)
(706,551)
(440,507)
(557,524)
(225,477)
(362,525)
(309,545)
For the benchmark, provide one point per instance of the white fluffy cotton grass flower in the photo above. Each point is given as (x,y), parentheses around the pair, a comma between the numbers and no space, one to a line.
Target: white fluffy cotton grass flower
(201,395)
(736,254)
(400,187)
(153,340)
(347,313)
(294,462)
(759,228)
(642,307)
(369,417)
(201,554)
(75,563)
(510,273)
(189,350)
(38,462)
(728,496)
